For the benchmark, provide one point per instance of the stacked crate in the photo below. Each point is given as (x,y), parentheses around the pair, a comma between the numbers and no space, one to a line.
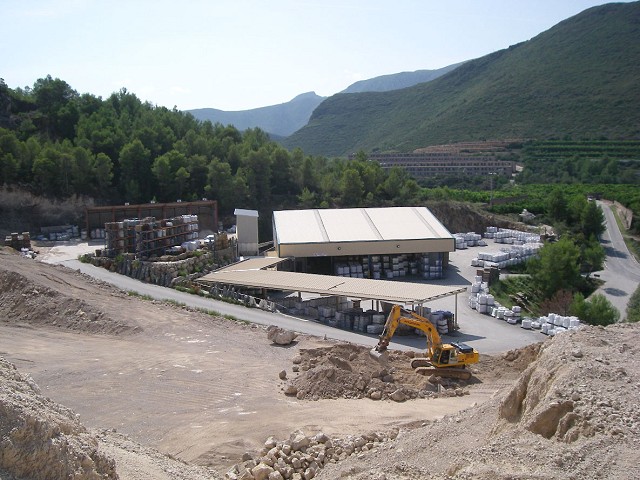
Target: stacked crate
(18,241)
(430,266)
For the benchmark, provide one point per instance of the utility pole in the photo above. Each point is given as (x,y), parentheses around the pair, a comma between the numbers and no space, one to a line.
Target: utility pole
(491,174)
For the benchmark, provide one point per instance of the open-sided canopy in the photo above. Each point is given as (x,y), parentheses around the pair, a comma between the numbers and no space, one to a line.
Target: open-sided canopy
(251,275)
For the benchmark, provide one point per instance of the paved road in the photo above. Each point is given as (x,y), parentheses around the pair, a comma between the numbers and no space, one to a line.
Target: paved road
(238,311)
(485,333)
(621,272)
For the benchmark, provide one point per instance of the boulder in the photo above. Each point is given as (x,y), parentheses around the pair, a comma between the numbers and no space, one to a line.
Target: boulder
(298,440)
(375,395)
(280,336)
(290,390)
(398,396)
(261,471)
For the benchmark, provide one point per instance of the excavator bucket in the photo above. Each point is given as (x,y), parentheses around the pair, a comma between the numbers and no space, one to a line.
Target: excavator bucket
(381,357)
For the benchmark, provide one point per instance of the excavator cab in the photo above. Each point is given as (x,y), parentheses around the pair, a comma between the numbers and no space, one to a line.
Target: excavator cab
(440,356)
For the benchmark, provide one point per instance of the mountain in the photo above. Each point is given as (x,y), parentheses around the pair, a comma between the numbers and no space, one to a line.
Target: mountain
(284,119)
(578,79)
(281,120)
(396,81)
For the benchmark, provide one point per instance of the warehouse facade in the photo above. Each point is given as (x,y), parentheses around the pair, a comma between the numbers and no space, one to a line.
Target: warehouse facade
(364,242)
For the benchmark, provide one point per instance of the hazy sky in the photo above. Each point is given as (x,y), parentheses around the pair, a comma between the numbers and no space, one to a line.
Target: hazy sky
(241,54)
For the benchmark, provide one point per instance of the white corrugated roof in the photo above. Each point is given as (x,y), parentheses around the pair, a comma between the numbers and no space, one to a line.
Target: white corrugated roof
(397,292)
(256,263)
(357,224)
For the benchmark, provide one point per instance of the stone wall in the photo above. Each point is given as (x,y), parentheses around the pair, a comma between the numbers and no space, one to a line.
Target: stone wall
(625,214)
(164,271)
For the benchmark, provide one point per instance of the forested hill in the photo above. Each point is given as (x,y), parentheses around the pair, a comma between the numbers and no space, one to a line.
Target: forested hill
(281,120)
(579,79)
(57,144)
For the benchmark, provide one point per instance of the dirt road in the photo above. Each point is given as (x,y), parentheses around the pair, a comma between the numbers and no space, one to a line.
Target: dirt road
(201,388)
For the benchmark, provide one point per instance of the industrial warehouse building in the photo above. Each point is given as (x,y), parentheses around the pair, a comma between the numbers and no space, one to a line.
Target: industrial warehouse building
(378,243)
(370,245)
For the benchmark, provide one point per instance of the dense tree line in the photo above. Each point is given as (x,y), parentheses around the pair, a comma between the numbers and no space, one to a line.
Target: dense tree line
(58,143)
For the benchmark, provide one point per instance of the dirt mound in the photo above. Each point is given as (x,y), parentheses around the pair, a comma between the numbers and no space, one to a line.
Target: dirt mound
(41,439)
(579,389)
(22,301)
(507,366)
(573,414)
(347,371)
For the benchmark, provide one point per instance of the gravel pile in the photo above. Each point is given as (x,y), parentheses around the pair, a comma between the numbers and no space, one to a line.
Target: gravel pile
(347,371)
(302,457)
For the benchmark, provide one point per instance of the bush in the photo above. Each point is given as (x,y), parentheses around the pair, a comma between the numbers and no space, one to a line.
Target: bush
(633,308)
(85,258)
(597,310)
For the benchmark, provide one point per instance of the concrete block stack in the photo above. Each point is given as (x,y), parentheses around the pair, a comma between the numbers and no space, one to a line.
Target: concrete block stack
(18,241)
(554,324)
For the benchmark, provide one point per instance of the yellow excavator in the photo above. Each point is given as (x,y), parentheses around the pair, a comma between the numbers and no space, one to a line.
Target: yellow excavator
(442,359)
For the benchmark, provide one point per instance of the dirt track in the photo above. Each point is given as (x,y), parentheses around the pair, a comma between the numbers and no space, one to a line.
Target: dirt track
(200,388)
(206,390)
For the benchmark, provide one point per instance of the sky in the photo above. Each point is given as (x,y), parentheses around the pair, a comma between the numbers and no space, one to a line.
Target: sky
(243,54)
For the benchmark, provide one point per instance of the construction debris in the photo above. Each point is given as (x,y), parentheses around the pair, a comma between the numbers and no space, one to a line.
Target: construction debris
(302,456)
(346,371)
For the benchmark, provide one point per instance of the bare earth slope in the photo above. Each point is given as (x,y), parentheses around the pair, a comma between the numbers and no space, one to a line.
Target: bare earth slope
(573,413)
(184,386)
(201,388)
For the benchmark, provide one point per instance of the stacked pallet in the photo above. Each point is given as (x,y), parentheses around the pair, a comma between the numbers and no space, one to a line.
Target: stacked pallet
(553,324)
(509,236)
(514,255)
(469,239)
(148,236)
(429,266)
(18,241)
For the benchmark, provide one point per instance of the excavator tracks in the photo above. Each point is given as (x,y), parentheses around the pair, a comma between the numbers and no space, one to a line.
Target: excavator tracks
(457,373)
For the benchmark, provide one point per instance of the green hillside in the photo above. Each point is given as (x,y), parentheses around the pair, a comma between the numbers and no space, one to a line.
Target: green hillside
(577,80)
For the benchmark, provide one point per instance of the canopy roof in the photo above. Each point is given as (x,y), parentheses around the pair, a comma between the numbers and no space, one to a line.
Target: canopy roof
(250,274)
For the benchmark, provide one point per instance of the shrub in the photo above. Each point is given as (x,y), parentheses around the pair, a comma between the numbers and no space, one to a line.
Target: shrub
(633,307)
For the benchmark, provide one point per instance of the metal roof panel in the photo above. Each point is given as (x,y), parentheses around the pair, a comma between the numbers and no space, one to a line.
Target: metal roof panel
(357,225)
(398,292)
(348,225)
